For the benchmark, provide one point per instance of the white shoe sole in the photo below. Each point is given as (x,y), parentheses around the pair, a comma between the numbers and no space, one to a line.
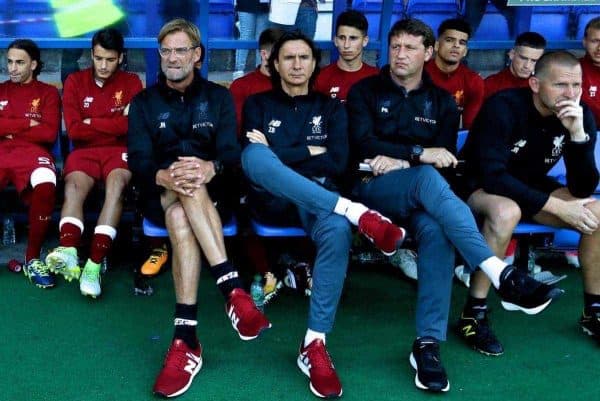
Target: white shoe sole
(306,371)
(530,311)
(418,383)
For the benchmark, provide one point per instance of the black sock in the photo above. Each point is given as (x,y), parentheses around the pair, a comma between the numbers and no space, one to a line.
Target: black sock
(227,277)
(185,324)
(591,303)
(475,306)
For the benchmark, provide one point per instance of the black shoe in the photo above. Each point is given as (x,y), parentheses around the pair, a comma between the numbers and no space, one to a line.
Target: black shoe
(477,333)
(521,292)
(590,324)
(425,359)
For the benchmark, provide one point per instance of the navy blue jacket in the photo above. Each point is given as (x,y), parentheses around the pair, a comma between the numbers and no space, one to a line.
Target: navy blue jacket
(385,120)
(511,147)
(165,124)
(292,123)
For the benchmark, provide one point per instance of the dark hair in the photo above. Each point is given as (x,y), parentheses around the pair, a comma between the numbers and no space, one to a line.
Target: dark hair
(352,18)
(32,49)
(594,23)
(550,59)
(457,24)
(268,37)
(415,27)
(531,39)
(110,39)
(286,37)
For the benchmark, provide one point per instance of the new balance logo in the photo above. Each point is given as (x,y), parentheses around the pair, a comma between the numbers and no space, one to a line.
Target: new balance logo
(192,363)
(305,360)
(162,125)
(234,318)
(468,330)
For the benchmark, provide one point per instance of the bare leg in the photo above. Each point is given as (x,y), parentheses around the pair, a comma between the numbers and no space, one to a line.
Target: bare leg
(77,187)
(116,182)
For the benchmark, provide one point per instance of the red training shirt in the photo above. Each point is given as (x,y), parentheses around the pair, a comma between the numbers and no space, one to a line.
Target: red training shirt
(503,80)
(591,82)
(243,87)
(83,98)
(334,82)
(464,84)
(21,103)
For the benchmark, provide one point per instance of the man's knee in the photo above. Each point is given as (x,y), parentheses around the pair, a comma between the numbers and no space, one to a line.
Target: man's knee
(502,217)
(253,157)
(176,218)
(116,183)
(333,228)
(42,175)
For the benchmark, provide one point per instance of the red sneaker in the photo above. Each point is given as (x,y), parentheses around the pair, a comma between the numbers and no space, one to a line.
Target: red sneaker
(181,365)
(381,231)
(314,361)
(245,318)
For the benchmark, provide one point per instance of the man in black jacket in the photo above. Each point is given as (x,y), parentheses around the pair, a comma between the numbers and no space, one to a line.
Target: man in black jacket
(516,139)
(404,128)
(297,149)
(181,140)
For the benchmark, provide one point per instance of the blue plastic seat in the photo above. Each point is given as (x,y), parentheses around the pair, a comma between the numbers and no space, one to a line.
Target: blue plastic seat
(222,19)
(372,11)
(552,22)
(493,25)
(531,228)
(265,230)
(432,12)
(583,15)
(153,230)
(461,139)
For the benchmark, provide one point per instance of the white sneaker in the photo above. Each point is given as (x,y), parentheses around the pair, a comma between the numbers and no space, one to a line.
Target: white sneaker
(405,260)
(63,260)
(89,282)
(460,274)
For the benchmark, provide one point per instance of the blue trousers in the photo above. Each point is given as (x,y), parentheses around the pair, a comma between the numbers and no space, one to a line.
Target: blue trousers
(440,222)
(330,232)
(251,26)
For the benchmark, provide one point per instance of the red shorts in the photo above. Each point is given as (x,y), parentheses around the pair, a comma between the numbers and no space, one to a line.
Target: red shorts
(97,162)
(19,161)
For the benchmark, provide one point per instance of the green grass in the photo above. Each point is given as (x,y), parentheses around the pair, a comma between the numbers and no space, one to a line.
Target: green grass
(59,345)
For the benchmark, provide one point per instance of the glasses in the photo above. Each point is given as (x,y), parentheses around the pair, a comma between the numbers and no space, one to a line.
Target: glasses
(179,51)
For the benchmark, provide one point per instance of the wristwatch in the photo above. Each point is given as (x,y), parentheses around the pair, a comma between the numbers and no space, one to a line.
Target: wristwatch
(415,153)
(218,167)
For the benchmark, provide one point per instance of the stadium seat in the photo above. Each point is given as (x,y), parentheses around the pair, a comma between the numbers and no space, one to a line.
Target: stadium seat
(461,139)
(433,12)
(372,10)
(493,25)
(222,19)
(153,230)
(565,238)
(552,22)
(582,16)
(265,230)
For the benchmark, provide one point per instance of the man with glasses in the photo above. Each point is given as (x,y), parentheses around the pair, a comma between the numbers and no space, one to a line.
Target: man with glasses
(182,142)
(528,48)
(96,105)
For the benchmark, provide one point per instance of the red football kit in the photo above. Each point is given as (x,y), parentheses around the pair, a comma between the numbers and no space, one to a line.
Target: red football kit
(464,84)
(336,83)
(100,146)
(24,148)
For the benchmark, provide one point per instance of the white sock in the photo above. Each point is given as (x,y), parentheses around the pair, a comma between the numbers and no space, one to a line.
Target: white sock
(313,335)
(493,267)
(351,210)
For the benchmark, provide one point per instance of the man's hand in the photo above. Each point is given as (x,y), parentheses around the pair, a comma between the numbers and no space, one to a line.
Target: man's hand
(439,157)
(574,213)
(255,136)
(33,123)
(570,114)
(381,165)
(316,150)
(190,170)
(164,179)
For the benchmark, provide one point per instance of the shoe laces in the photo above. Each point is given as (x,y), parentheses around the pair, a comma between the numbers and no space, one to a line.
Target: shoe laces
(373,222)
(484,331)
(91,273)
(430,354)
(176,358)
(36,266)
(319,357)
(156,254)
